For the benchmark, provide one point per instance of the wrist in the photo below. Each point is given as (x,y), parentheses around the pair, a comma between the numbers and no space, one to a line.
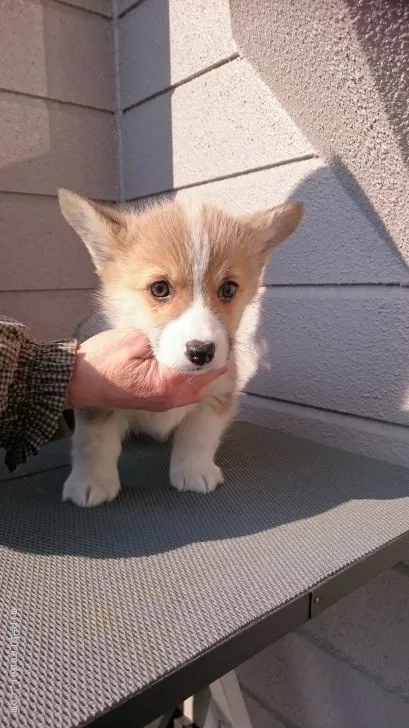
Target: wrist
(80,392)
(37,396)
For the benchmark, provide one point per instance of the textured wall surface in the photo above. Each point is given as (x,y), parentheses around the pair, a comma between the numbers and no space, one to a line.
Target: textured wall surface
(334,244)
(222,122)
(99,7)
(144,38)
(321,345)
(340,68)
(57,105)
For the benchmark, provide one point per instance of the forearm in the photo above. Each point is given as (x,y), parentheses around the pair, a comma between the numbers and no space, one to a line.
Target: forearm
(34,379)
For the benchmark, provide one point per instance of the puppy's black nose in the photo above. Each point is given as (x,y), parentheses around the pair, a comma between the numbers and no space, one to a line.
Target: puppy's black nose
(200,352)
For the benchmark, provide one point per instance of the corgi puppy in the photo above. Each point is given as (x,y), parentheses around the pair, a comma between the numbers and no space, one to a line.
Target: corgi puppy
(183,276)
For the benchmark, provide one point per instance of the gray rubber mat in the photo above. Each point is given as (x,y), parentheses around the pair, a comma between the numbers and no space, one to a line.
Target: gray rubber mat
(97,604)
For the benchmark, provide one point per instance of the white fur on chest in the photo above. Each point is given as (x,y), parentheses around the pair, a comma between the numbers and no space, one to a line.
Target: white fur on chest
(161,424)
(157,424)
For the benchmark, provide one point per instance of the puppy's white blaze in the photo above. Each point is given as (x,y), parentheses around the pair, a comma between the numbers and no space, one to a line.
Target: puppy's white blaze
(199,263)
(199,246)
(197,322)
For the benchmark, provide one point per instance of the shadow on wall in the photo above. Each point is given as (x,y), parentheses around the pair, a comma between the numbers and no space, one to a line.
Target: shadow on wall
(340,347)
(59,137)
(324,344)
(353,188)
(46,144)
(146,122)
(58,128)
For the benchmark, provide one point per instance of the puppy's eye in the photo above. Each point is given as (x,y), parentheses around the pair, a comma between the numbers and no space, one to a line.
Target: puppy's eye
(228,290)
(160,289)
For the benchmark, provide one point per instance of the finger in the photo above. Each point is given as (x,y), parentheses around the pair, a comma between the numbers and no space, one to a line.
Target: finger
(210,376)
(194,398)
(136,342)
(141,348)
(201,394)
(201,379)
(191,380)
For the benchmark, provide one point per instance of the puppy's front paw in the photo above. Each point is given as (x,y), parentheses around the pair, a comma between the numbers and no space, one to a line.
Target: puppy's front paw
(86,491)
(193,473)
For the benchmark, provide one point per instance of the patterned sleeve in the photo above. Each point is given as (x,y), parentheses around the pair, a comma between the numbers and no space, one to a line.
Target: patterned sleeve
(34,378)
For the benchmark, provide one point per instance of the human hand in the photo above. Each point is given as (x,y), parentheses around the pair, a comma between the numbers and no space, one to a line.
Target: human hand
(117,369)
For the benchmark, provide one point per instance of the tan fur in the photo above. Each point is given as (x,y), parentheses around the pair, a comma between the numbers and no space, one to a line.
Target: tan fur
(156,244)
(156,248)
(233,256)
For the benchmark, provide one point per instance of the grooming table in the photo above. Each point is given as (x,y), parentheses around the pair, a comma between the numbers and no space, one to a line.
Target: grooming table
(121,612)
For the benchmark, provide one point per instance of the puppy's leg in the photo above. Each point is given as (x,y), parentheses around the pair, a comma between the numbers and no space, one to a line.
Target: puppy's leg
(96,446)
(196,440)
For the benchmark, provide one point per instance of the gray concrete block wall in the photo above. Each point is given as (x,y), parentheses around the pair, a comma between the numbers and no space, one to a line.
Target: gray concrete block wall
(38,253)
(334,245)
(57,106)
(126,5)
(48,313)
(56,52)
(98,7)
(347,338)
(223,123)
(195,46)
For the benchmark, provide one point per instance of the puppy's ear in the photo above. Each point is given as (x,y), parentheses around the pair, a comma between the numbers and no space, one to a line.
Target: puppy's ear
(274,226)
(98,226)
